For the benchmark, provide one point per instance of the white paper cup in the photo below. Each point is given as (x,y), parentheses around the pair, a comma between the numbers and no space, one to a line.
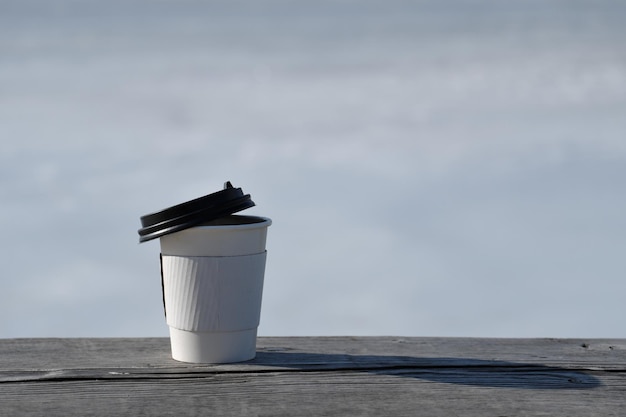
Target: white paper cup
(212,288)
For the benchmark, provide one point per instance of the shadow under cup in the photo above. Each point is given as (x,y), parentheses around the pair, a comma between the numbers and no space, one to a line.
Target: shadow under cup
(212,288)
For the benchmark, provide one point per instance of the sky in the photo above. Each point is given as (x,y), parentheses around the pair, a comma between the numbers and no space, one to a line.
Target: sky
(450,168)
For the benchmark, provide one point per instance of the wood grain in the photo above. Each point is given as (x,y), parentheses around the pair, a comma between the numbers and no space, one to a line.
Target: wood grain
(317,376)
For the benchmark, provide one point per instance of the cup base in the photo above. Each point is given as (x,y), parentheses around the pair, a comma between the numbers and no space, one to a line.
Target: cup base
(213,347)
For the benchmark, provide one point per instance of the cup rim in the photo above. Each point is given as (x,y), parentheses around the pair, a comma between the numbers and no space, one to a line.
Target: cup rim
(235,221)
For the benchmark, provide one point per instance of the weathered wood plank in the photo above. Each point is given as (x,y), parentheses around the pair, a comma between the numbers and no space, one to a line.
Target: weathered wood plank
(328,352)
(317,376)
(312,393)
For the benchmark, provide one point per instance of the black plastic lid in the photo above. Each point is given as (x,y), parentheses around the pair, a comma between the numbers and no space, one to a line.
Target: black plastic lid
(192,213)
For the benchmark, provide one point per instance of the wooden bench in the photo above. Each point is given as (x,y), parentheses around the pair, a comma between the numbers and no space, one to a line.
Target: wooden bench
(299,376)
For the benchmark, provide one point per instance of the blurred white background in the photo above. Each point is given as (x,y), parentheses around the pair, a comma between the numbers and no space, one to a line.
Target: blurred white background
(432,168)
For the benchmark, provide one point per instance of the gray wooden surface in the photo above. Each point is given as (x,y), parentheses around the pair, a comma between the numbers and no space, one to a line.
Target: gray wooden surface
(341,376)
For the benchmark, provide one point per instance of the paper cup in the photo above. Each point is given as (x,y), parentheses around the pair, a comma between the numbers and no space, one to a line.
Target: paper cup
(212,288)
